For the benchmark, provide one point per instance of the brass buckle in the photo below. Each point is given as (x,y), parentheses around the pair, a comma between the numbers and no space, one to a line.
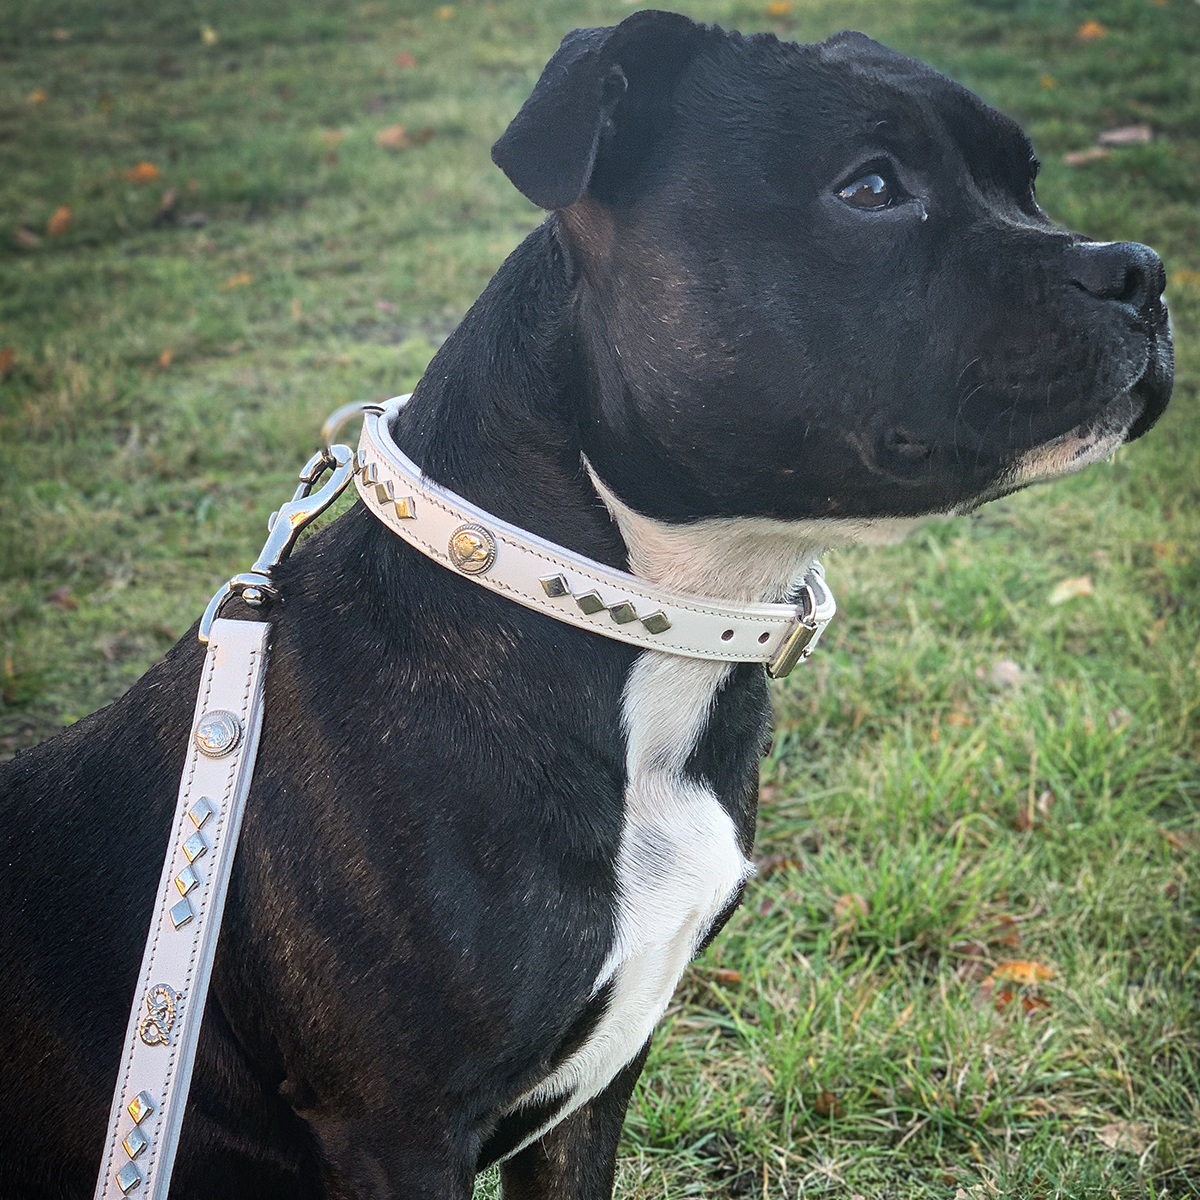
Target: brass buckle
(796,646)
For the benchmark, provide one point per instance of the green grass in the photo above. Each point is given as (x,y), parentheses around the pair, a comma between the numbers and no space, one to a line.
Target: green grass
(843,1036)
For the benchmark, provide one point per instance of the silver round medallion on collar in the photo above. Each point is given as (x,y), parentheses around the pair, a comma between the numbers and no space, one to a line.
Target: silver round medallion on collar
(219,733)
(472,549)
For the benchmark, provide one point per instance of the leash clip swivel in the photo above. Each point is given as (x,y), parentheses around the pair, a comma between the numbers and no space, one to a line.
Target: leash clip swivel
(283,530)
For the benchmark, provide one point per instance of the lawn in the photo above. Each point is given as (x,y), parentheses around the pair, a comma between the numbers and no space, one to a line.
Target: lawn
(969,964)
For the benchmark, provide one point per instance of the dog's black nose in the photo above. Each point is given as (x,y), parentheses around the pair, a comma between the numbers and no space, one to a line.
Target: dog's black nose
(1127,272)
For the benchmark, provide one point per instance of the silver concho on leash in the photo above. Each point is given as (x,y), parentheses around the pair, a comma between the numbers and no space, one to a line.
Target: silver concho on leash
(161,1005)
(472,548)
(219,733)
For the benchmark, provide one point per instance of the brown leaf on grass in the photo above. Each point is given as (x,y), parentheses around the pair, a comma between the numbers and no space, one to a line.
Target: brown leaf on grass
(1126,1137)
(37,96)
(393,137)
(330,137)
(7,354)
(59,222)
(828,1105)
(1022,971)
(959,720)
(770,864)
(849,908)
(1081,158)
(1185,276)
(422,136)
(62,599)
(1126,135)
(1091,31)
(1007,932)
(778,9)
(165,359)
(1048,82)
(726,976)
(406,60)
(241,279)
(1032,1004)
(143,172)
(1070,589)
(445,12)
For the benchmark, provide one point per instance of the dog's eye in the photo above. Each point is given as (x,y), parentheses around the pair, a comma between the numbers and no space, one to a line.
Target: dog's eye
(871,191)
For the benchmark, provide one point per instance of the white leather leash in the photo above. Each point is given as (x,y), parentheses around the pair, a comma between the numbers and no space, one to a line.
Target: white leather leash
(163,1031)
(569,587)
(164,1024)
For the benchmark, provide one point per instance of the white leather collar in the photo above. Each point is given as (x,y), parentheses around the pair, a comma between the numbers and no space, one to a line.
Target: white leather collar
(569,587)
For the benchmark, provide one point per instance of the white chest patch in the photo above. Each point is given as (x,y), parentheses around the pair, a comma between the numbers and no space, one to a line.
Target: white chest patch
(678,867)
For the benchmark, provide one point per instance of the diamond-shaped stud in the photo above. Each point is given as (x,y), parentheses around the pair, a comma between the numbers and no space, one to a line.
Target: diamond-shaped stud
(656,622)
(181,914)
(201,811)
(623,613)
(554,586)
(590,602)
(135,1142)
(384,492)
(406,508)
(187,879)
(140,1107)
(128,1177)
(370,474)
(195,846)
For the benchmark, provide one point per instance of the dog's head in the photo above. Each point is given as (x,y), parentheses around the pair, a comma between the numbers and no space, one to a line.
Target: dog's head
(813,281)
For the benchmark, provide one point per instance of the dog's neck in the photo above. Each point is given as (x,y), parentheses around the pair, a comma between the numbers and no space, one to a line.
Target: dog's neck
(505,431)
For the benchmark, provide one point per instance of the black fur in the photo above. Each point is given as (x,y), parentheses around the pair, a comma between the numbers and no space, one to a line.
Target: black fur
(424,891)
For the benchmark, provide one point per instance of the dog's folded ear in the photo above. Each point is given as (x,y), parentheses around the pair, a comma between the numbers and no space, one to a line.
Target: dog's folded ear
(599,84)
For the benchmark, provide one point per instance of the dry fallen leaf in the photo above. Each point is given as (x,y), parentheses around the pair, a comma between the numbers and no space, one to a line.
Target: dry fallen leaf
(241,279)
(143,172)
(7,354)
(1022,971)
(165,359)
(60,221)
(769,864)
(849,908)
(208,35)
(445,12)
(959,719)
(1047,81)
(828,1105)
(1069,589)
(779,8)
(406,59)
(1185,276)
(1080,158)
(725,975)
(1126,1137)
(1091,31)
(1126,135)
(61,598)
(394,137)
(37,96)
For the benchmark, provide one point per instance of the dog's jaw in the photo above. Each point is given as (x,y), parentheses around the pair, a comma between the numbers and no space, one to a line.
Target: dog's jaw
(743,559)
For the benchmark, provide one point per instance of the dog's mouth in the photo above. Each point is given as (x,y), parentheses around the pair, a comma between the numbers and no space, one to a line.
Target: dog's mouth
(1126,417)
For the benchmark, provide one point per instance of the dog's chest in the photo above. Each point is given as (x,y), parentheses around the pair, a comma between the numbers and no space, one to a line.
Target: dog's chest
(678,867)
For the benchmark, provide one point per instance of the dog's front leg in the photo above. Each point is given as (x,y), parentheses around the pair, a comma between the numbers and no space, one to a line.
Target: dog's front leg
(577,1159)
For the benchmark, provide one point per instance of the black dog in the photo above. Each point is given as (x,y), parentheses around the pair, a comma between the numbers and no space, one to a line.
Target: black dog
(788,294)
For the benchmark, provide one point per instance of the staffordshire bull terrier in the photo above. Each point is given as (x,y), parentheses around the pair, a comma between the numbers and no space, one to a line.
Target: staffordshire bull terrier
(788,296)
